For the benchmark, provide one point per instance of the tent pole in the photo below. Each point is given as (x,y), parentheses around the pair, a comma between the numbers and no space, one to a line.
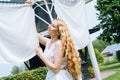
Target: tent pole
(49,12)
(94,61)
(41,7)
(42,19)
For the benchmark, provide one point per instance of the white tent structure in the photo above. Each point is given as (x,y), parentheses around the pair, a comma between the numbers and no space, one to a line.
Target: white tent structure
(112,49)
(15,37)
(67,10)
(18,35)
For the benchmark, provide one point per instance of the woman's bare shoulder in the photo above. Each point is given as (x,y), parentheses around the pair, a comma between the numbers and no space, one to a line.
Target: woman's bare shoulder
(59,42)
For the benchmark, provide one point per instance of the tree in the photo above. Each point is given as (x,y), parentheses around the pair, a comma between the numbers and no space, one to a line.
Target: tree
(118,55)
(100,45)
(15,70)
(109,16)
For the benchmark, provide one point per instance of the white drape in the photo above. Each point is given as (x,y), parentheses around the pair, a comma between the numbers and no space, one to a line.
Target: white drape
(18,35)
(75,17)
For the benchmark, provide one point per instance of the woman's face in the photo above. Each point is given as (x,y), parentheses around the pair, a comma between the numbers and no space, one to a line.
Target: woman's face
(53,28)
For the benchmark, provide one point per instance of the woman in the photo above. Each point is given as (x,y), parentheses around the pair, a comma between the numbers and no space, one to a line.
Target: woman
(60,55)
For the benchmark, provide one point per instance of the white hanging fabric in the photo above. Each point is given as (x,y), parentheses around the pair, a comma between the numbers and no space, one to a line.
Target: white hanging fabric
(18,35)
(73,13)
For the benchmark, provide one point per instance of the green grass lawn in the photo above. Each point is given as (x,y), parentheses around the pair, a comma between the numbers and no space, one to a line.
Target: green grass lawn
(115,67)
(115,76)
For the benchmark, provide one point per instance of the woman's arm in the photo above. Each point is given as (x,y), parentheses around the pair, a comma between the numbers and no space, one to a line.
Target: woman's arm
(28,1)
(42,39)
(58,56)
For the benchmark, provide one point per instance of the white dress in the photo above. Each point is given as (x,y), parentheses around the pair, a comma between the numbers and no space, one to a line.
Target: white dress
(63,74)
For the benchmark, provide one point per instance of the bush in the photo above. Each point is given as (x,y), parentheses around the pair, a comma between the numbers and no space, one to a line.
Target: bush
(118,55)
(115,66)
(91,71)
(99,57)
(109,62)
(37,74)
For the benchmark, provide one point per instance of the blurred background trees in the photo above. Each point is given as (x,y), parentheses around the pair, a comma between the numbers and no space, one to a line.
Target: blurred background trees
(109,16)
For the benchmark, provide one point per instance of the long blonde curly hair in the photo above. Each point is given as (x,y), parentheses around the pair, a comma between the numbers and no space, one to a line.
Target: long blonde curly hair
(73,59)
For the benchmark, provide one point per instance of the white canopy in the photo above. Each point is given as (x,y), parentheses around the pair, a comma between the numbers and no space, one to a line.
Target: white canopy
(18,35)
(75,16)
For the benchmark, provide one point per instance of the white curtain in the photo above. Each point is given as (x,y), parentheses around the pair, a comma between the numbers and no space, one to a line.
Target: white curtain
(73,13)
(18,35)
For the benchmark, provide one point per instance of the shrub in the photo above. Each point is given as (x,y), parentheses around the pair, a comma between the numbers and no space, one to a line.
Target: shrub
(91,71)
(118,55)
(112,61)
(37,74)
(99,57)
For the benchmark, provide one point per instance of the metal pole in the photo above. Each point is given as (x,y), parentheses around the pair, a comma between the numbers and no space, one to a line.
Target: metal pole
(94,61)
(49,12)
(42,19)
(41,7)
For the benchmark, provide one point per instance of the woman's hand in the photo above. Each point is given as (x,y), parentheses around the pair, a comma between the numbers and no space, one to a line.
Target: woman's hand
(39,51)
(28,1)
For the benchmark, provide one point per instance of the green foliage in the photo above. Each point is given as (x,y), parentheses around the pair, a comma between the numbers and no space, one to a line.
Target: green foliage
(115,76)
(109,16)
(100,45)
(118,55)
(37,74)
(16,70)
(115,66)
(91,71)
(99,57)
(113,61)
